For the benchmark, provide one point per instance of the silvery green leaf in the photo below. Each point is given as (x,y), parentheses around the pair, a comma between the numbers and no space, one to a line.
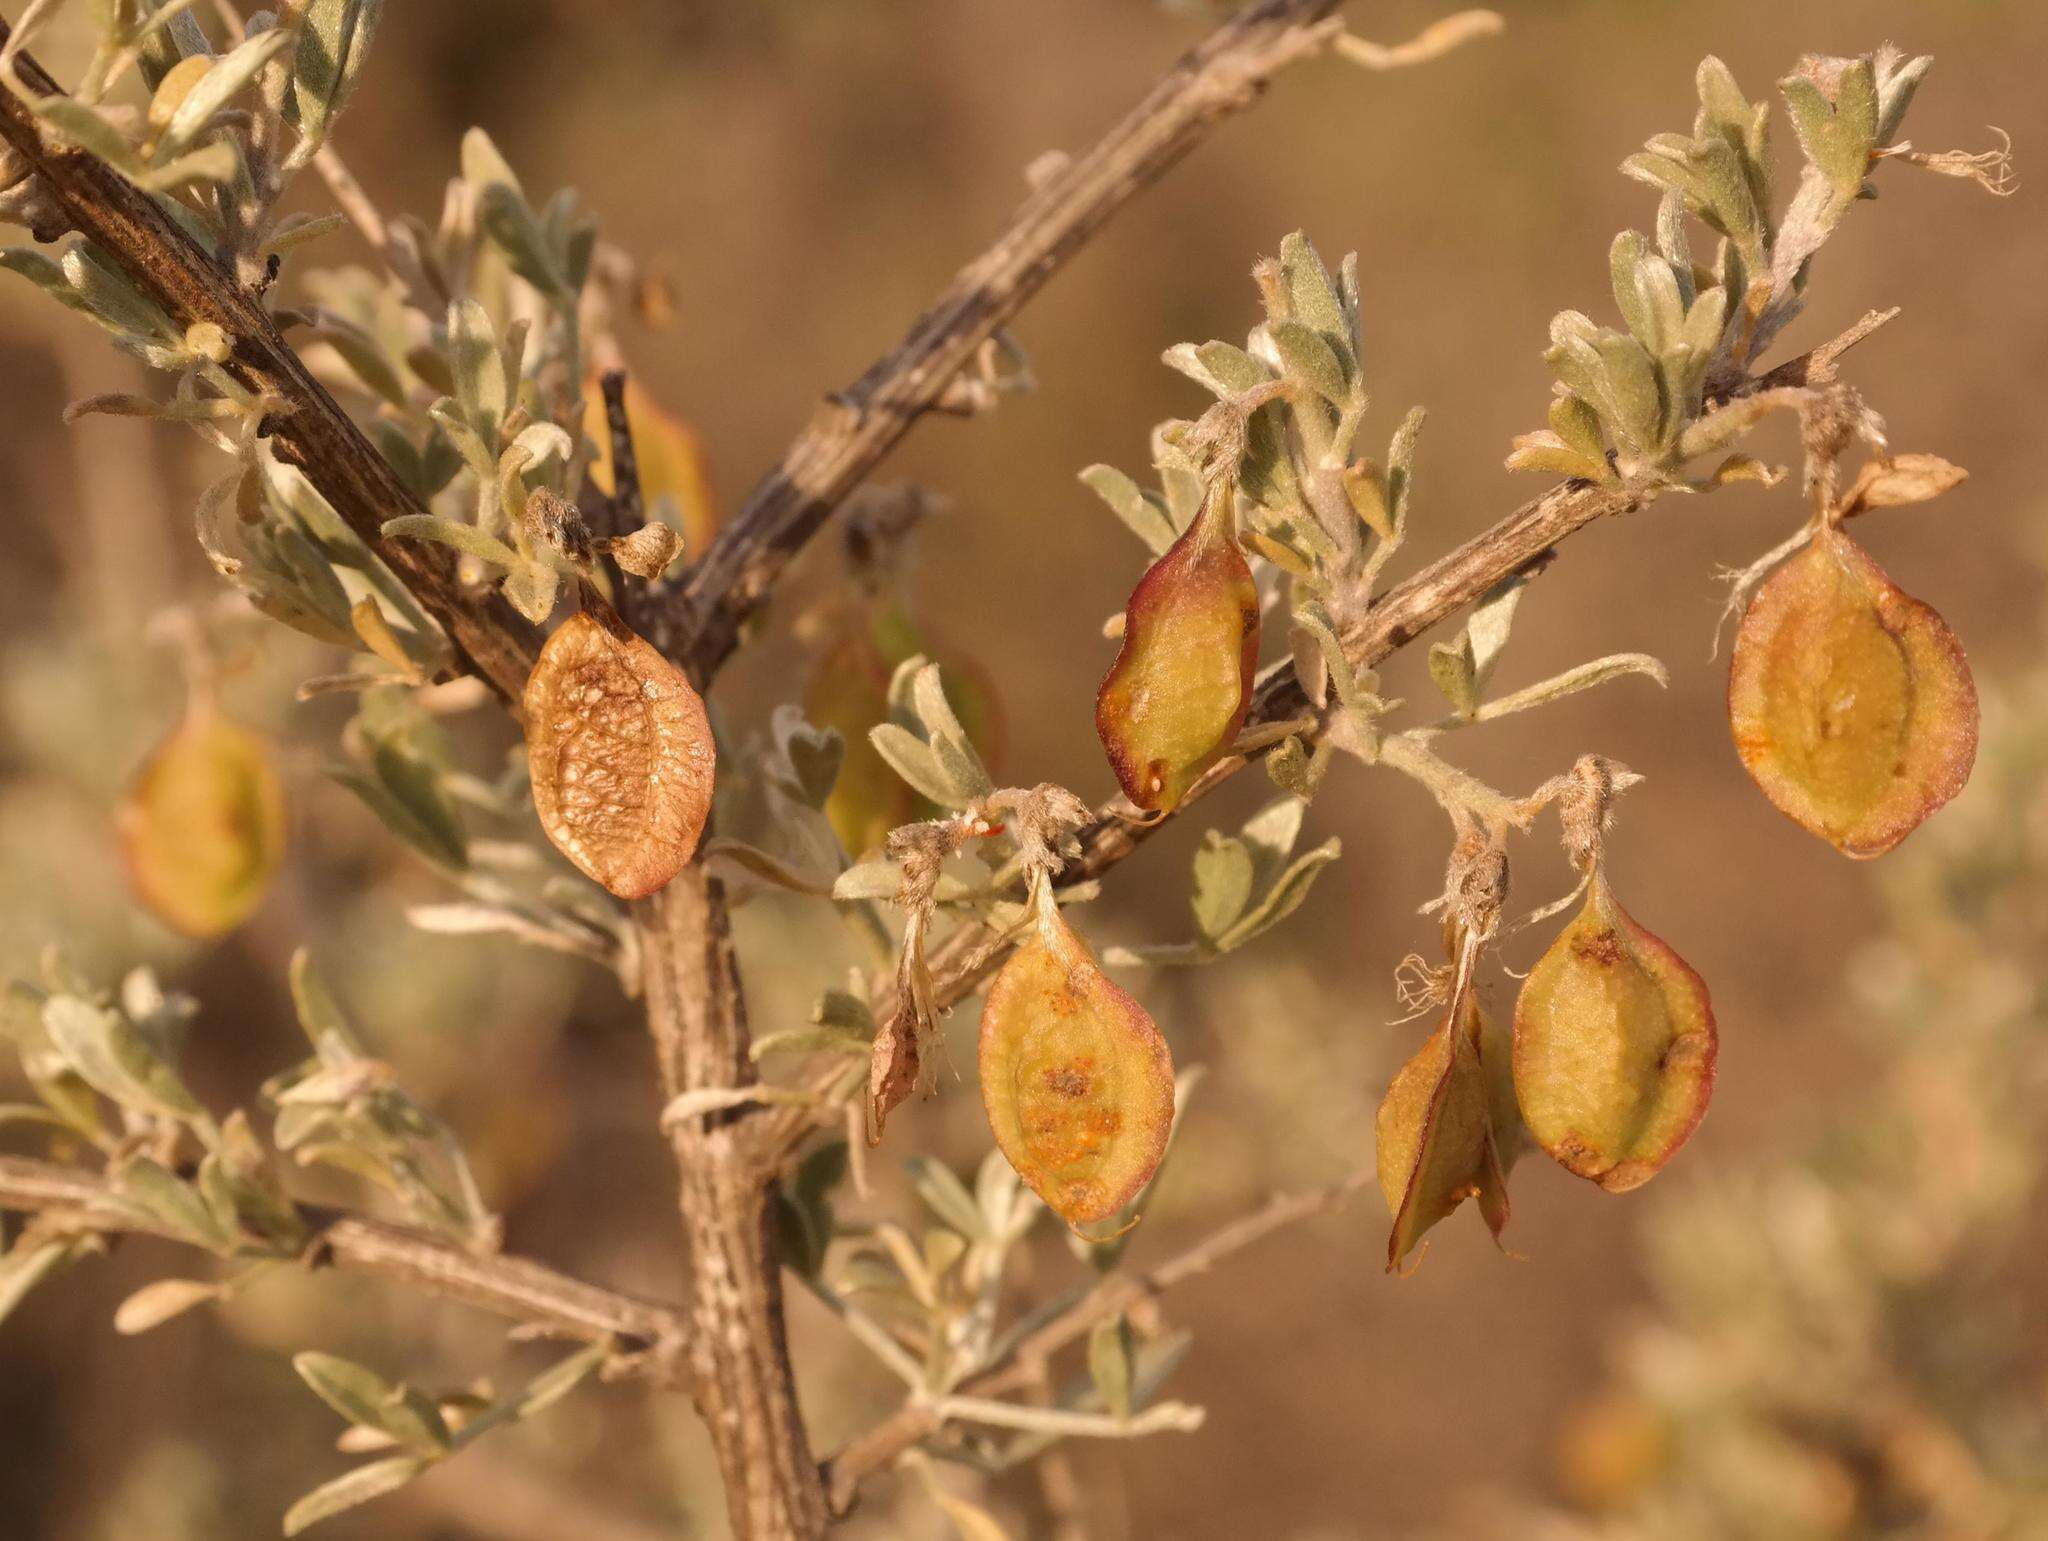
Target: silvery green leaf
(1270,835)
(407,799)
(370,1481)
(1673,244)
(155,1195)
(357,1393)
(154,1304)
(946,1196)
(1223,882)
(334,40)
(1575,422)
(509,221)
(1492,619)
(213,90)
(1109,1364)
(561,1378)
(114,1059)
(366,360)
(1401,466)
(1897,79)
(209,164)
(1146,516)
(531,589)
(1231,367)
(871,879)
(1313,297)
(1631,388)
(813,754)
(479,370)
(810,1040)
(112,296)
(956,757)
(1452,671)
(1584,677)
(90,130)
(843,1009)
(1309,359)
(770,868)
(31,1260)
(916,763)
(44,274)
(1285,896)
(320,1015)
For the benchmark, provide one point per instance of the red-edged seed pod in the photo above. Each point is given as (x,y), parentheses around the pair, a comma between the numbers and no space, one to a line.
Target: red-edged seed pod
(1174,700)
(1851,701)
(1435,1132)
(1614,1047)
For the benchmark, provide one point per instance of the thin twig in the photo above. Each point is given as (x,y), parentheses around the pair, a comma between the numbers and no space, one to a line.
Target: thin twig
(1024,1362)
(700,624)
(529,1293)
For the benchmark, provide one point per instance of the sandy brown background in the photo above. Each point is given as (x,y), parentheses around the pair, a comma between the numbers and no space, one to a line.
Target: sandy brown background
(808,174)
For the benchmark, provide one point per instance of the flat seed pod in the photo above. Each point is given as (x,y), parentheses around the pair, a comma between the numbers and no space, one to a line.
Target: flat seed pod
(620,752)
(1435,1136)
(1075,1076)
(1614,1047)
(1851,702)
(202,825)
(1172,703)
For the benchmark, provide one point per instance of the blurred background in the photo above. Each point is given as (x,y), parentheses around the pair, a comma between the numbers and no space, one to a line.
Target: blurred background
(1823,1320)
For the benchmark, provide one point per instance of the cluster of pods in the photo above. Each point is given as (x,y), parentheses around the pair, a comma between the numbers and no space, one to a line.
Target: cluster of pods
(1851,705)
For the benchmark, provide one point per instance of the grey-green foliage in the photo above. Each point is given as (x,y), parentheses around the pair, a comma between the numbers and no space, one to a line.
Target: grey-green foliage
(343,1108)
(1630,398)
(1244,885)
(924,742)
(424,1430)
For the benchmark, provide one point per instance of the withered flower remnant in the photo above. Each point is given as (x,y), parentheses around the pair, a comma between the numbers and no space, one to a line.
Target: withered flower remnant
(1172,703)
(620,752)
(1437,1143)
(1851,702)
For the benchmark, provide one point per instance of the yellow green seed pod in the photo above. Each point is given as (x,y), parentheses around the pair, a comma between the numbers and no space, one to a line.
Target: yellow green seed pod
(203,825)
(1174,700)
(1614,1047)
(1851,701)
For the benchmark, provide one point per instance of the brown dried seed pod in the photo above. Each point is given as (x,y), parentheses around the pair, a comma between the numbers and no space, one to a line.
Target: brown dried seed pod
(202,825)
(1435,1129)
(1173,702)
(1614,1047)
(1075,1076)
(1851,701)
(620,752)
